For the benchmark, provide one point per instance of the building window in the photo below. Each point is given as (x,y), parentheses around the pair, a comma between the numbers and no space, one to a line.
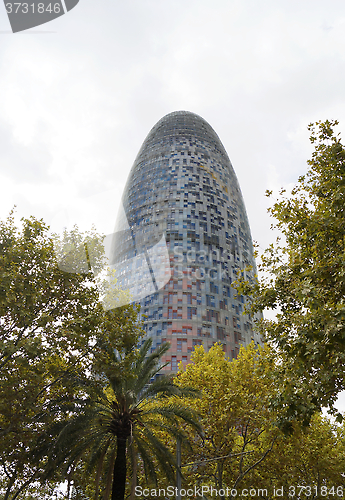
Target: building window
(191,311)
(210,301)
(197,342)
(173,363)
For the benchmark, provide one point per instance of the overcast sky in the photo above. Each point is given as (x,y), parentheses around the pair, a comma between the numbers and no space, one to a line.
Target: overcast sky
(79,95)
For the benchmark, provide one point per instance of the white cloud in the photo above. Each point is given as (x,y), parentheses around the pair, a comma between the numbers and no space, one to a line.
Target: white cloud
(77,104)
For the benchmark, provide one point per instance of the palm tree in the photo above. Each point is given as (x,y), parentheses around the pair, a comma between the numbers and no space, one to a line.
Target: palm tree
(123,419)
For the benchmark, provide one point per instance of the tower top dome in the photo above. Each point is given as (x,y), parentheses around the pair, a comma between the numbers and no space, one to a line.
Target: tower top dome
(180,125)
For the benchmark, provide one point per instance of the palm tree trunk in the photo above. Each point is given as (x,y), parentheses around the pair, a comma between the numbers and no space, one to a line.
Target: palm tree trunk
(120,471)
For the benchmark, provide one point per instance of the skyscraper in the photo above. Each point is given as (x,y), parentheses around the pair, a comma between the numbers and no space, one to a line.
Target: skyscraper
(182,237)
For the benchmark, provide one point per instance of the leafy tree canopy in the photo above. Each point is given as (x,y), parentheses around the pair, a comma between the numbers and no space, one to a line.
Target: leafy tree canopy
(118,427)
(52,325)
(236,421)
(312,457)
(241,446)
(306,283)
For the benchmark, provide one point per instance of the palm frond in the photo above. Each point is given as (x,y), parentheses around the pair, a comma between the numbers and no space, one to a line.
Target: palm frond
(162,454)
(109,476)
(99,457)
(134,404)
(148,463)
(149,365)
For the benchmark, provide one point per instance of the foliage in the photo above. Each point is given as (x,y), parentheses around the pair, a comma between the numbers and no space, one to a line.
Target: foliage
(239,427)
(310,461)
(237,424)
(306,283)
(49,322)
(120,421)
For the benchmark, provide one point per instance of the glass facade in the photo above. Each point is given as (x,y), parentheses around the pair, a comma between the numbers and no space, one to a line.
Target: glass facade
(182,237)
